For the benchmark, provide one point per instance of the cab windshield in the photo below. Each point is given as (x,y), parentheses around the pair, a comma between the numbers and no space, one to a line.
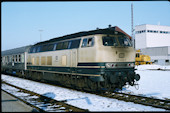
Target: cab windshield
(116,41)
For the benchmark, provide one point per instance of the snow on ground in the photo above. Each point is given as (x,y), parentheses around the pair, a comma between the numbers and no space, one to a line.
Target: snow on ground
(152,67)
(155,83)
(82,100)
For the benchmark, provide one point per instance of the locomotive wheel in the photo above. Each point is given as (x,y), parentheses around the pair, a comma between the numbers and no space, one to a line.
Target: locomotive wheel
(67,82)
(92,85)
(81,83)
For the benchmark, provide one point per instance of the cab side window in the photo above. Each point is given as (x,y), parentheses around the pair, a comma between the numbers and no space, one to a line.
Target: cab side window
(88,42)
(84,44)
(137,55)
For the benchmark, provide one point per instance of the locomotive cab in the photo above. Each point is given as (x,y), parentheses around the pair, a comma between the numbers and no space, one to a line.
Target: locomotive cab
(118,55)
(115,49)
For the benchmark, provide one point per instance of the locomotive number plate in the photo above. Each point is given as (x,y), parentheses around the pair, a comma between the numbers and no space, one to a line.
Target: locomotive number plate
(121,55)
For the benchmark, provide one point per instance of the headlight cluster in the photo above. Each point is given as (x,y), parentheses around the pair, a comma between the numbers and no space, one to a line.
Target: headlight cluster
(119,65)
(111,65)
(130,64)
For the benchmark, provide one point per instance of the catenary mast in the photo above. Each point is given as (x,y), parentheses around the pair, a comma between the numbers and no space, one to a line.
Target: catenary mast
(133,40)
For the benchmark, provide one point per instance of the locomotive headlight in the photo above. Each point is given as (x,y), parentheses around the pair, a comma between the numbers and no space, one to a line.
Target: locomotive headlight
(111,65)
(130,65)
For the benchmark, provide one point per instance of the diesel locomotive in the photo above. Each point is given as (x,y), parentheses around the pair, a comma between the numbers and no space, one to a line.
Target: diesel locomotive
(95,60)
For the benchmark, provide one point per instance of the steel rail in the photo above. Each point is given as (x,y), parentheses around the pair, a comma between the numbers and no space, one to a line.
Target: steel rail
(148,101)
(62,106)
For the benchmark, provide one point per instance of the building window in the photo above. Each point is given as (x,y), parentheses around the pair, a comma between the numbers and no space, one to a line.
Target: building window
(155,31)
(166,61)
(156,61)
(165,32)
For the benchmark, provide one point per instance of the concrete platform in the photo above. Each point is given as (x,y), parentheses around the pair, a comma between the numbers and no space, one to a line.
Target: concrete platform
(11,104)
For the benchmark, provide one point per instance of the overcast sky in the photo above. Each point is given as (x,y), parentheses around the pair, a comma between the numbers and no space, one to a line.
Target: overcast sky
(21,21)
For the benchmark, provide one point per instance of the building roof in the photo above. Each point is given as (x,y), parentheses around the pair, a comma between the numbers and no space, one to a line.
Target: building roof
(152,25)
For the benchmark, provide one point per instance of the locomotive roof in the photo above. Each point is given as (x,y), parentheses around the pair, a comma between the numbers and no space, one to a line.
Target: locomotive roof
(16,50)
(110,30)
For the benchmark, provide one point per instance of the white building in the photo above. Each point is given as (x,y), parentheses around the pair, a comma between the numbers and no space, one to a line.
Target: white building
(151,36)
(154,40)
(159,55)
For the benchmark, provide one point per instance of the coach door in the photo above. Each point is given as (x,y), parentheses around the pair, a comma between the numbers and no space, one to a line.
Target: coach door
(74,58)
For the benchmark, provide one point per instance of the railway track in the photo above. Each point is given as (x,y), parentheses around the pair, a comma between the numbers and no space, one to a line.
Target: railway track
(40,102)
(147,101)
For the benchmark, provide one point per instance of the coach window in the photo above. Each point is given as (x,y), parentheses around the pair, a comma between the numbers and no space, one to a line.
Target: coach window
(39,49)
(34,50)
(12,58)
(31,49)
(9,58)
(16,58)
(22,58)
(19,58)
